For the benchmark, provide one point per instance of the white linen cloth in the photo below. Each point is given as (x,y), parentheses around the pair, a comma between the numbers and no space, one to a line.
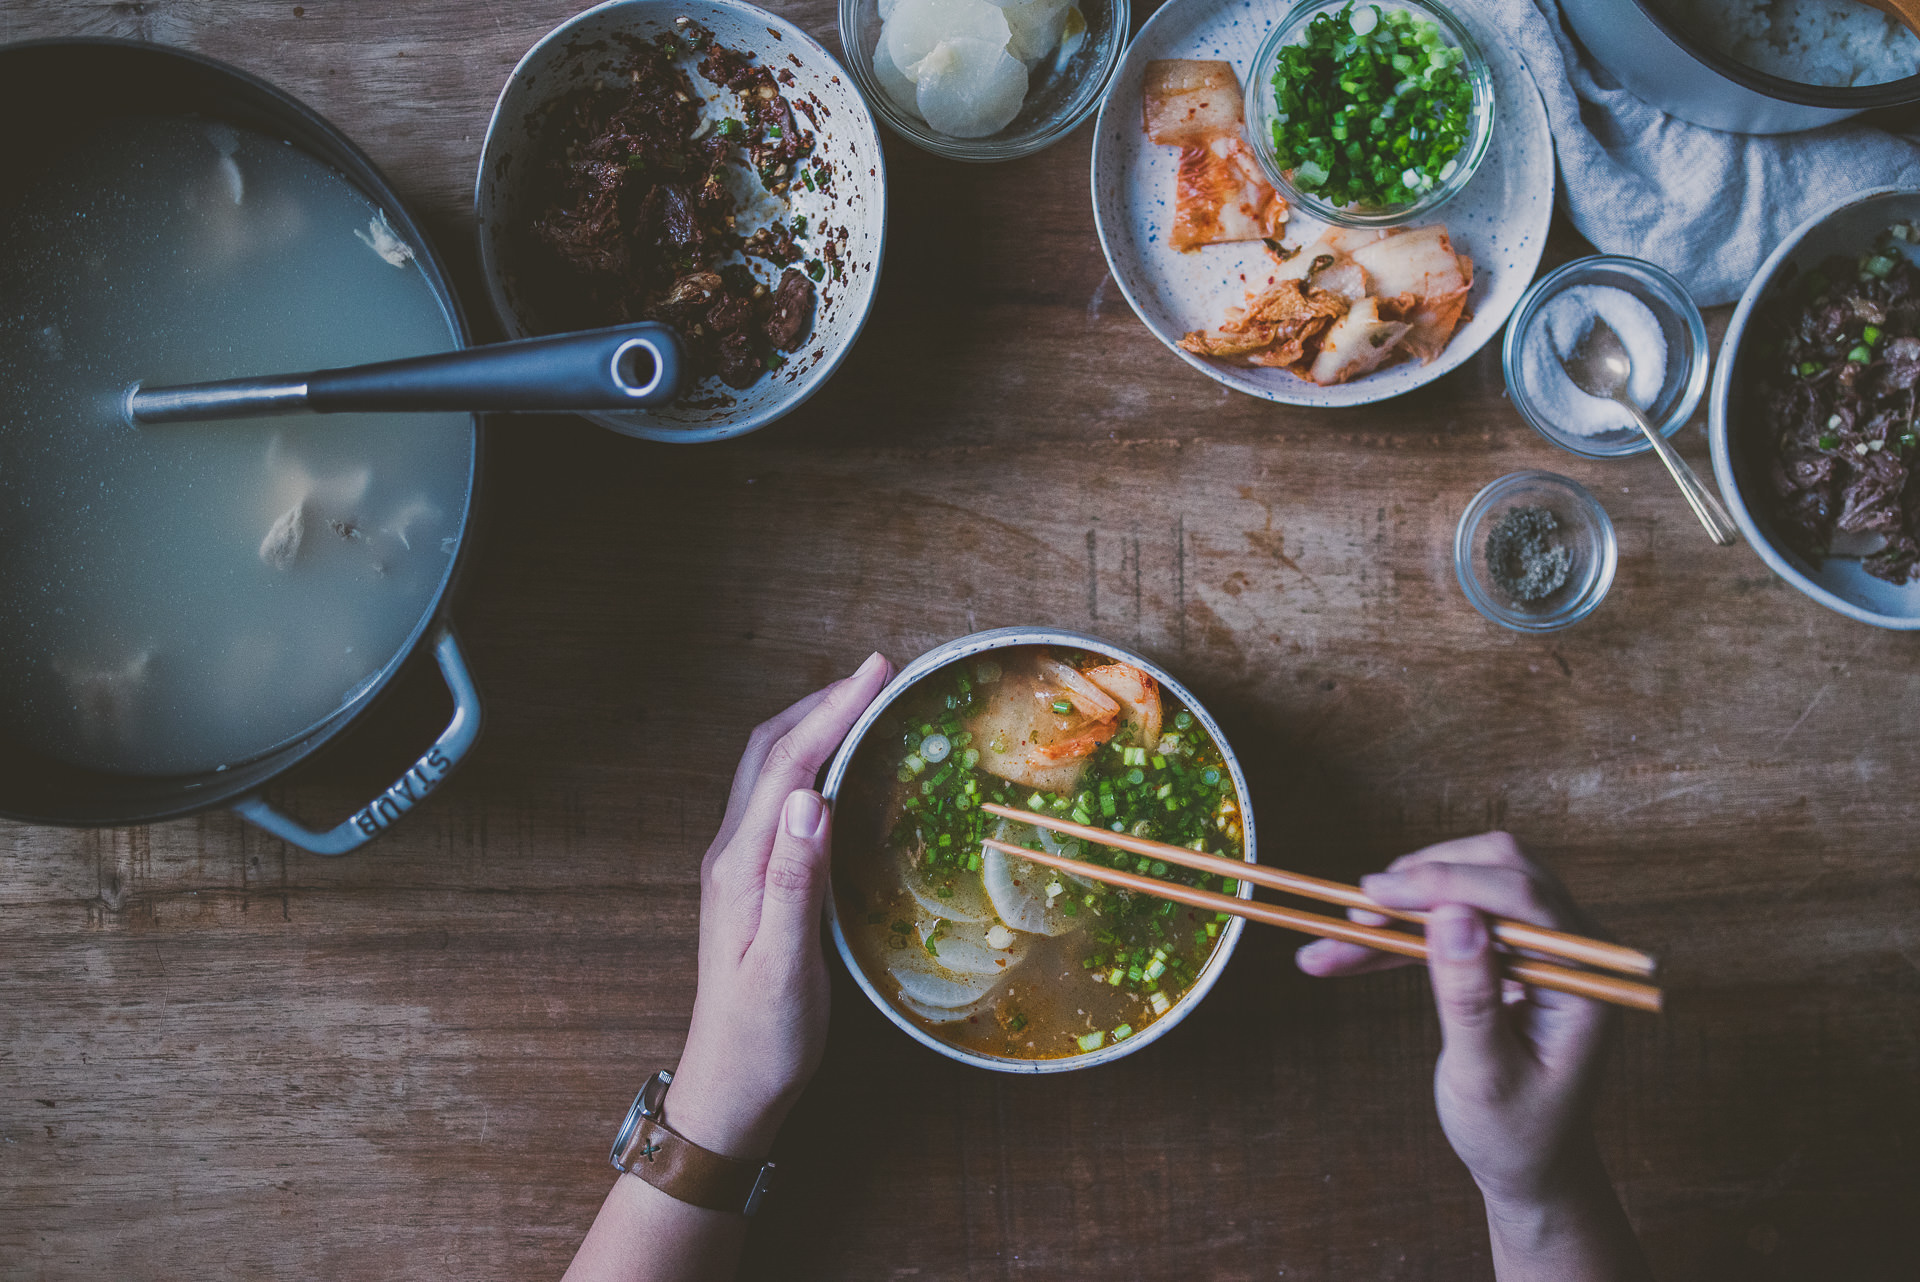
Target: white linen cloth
(1707,206)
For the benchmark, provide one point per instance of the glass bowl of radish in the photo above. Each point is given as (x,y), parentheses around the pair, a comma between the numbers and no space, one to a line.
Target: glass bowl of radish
(983,80)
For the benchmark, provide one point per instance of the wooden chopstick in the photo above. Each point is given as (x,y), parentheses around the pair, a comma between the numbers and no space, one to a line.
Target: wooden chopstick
(1514,934)
(1584,983)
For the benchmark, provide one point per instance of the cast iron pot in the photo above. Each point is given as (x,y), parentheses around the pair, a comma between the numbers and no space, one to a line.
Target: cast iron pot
(52,90)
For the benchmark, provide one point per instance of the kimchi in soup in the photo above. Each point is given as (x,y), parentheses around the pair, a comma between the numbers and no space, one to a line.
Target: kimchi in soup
(991,953)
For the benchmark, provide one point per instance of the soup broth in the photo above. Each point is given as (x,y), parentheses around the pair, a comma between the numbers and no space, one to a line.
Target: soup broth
(996,955)
(186,597)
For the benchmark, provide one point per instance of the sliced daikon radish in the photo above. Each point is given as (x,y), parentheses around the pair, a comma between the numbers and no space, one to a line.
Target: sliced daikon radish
(896,83)
(971,88)
(965,950)
(1036,28)
(1019,893)
(918,25)
(924,981)
(964,902)
(945,1014)
(887,7)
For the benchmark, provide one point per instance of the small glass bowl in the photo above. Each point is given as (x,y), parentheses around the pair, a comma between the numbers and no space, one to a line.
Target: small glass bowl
(1680,321)
(1584,527)
(1059,95)
(1263,107)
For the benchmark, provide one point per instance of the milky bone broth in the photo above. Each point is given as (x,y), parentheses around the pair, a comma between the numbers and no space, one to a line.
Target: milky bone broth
(148,623)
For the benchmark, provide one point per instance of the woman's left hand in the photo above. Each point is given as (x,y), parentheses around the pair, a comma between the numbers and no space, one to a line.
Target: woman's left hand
(760,1014)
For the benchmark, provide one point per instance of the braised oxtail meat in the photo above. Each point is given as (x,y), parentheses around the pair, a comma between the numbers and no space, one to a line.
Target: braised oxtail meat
(637,220)
(1839,409)
(792,314)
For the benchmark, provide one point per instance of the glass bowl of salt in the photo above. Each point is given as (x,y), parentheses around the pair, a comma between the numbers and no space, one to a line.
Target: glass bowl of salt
(1535,552)
(1656,320)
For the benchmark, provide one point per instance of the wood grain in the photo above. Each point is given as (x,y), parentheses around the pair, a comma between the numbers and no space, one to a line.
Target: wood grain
(222,1058)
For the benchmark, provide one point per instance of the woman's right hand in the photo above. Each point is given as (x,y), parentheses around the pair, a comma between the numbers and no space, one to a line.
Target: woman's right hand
(1518,1066)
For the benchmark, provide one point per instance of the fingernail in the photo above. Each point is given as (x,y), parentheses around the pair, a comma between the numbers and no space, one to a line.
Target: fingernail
(1304,958)
(1456,933)
(805,814)
(873,664)
(1373,879)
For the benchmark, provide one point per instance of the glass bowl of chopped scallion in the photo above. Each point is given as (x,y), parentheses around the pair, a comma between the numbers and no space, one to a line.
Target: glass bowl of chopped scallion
(1370,114)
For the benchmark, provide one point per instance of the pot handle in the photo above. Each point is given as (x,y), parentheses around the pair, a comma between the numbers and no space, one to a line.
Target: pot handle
(412,787)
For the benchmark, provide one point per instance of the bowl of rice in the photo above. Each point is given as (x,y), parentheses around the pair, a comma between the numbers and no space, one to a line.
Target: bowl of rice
(1753,66)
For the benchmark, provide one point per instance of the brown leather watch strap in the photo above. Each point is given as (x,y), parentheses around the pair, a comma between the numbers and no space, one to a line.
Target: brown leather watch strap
(683,1170)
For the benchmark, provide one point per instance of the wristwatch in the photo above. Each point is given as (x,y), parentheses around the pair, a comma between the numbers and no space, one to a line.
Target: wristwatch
(647,1147)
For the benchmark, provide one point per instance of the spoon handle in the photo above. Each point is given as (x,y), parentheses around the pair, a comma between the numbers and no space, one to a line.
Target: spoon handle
(1705,504)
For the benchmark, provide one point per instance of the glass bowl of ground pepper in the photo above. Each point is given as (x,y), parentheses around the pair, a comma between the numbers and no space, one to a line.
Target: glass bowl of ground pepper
(1535,552)
(1370,114)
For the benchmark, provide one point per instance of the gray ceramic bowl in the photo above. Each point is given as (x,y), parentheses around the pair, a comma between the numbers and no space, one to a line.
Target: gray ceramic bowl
(1000,639)
(586,51)
(1734,425)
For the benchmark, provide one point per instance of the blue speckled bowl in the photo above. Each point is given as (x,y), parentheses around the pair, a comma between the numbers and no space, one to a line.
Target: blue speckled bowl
(1500,219)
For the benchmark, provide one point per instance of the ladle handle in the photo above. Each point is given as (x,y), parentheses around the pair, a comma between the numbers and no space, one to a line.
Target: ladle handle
(634,366)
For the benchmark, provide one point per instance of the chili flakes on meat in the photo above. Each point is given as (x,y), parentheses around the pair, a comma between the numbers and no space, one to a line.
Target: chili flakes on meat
(637,222)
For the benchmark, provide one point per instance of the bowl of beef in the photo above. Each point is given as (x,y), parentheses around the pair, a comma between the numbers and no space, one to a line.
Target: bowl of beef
(1813,415)
(704,164)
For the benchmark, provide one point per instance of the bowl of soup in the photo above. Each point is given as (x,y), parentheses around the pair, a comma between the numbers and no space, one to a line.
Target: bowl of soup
(992,960)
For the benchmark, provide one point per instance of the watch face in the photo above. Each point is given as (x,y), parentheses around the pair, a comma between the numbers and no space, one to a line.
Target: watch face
(627,1128)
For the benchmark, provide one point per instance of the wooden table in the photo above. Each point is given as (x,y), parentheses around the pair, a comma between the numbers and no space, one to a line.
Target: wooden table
(220,1057)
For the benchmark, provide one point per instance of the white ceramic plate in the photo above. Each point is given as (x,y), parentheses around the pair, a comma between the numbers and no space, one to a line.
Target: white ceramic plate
(586,50)
(1837,582)
(1500,219)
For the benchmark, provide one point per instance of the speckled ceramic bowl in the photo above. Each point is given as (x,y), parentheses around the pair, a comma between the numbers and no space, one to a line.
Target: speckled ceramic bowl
(1500,219)
(586,50)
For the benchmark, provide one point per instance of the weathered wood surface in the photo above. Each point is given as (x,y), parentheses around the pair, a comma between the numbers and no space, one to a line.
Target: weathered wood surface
(222,1058)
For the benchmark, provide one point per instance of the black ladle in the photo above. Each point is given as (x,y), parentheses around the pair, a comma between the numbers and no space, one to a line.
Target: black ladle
(624,367)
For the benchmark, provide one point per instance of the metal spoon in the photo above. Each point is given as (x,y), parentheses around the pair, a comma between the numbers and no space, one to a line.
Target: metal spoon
(633,366)
(1601,367)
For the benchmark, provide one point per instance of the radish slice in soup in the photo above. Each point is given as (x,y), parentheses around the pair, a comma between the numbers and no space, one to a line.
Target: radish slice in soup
(965,950)
(1018,890)
(933,992)
(944,1014)
(965,901)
